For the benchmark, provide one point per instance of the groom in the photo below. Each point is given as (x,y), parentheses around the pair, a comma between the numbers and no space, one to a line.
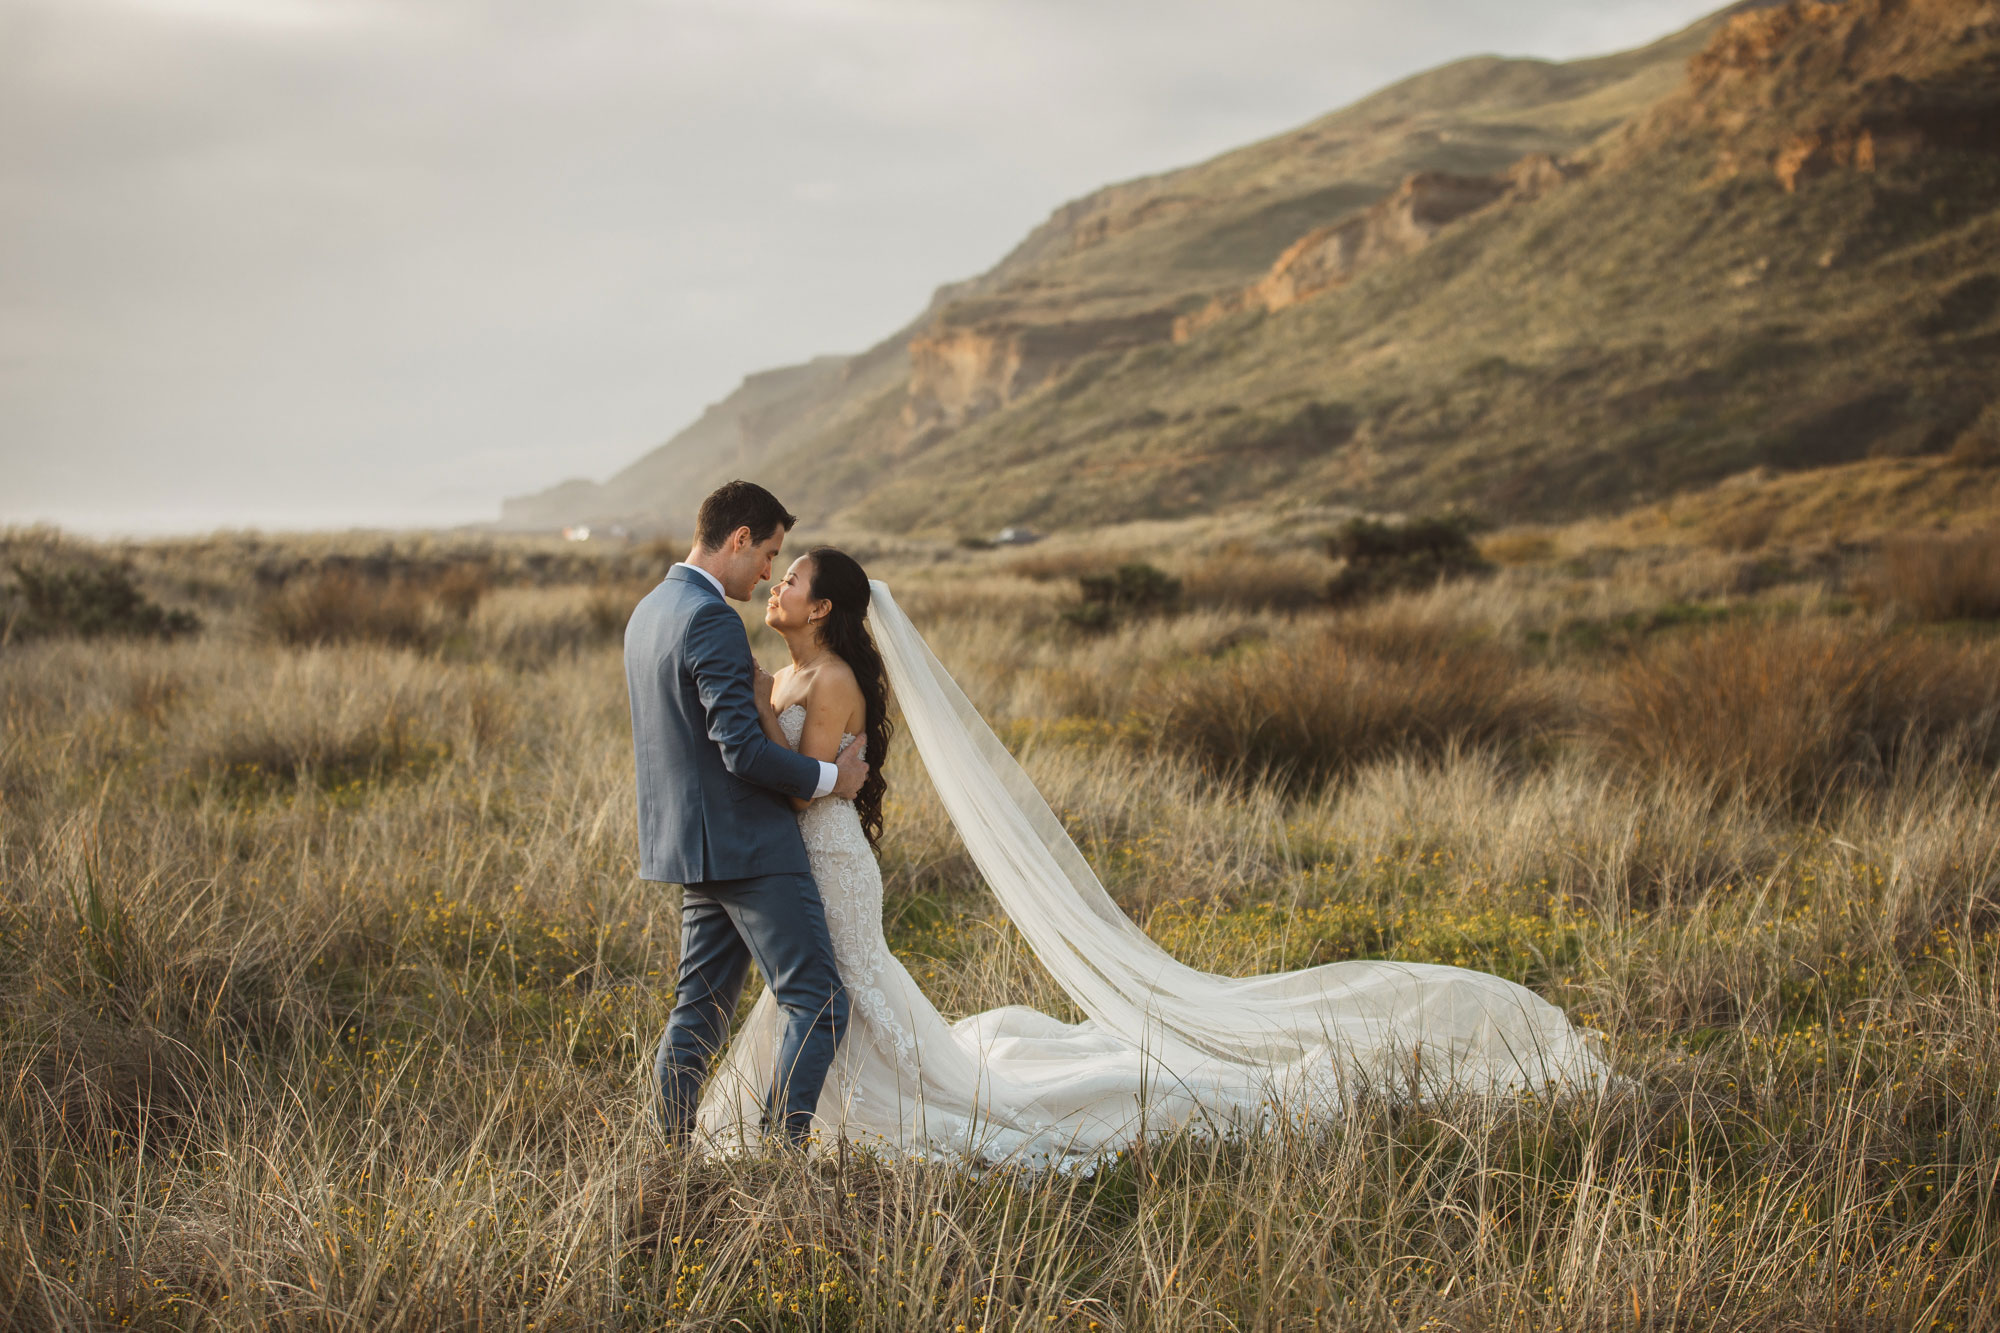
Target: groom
(713,818)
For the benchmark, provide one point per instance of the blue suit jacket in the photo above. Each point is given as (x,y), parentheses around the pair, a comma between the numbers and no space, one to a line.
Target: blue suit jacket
(711,784)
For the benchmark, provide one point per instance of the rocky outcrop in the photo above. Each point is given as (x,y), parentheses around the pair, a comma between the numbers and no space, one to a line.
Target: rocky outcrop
(1538,173)
(1747,43)
(1400,224)
(1805,89)
(1805,156)
(958,372)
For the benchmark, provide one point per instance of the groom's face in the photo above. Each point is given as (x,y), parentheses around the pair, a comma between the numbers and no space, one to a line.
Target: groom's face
(750,562)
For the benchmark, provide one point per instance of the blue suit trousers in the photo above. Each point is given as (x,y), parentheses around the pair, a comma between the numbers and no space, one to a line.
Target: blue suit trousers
(779,922)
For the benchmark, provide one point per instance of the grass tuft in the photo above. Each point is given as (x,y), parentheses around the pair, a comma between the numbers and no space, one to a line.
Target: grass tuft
(1794,712)
(1345,696)
(1939,576)
(339,607)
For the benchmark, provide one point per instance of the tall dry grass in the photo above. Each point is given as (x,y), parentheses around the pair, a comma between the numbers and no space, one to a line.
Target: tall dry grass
(362,1042)
(1939,576)
(1325,703)
(1800,711)
(339,606)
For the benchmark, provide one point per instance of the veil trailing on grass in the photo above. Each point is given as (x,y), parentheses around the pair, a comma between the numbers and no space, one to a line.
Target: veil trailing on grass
(1300,1036)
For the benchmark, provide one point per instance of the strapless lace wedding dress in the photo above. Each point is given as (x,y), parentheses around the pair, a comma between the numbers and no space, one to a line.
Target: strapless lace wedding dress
(903,1079)
(1016,1085)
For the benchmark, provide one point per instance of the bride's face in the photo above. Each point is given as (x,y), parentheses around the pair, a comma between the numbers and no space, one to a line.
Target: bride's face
(790,605)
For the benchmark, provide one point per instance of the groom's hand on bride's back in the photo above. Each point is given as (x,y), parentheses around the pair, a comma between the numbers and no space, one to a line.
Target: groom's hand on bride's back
(853,772)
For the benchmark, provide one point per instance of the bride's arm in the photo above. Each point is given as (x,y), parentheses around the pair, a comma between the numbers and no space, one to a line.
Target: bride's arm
(834,707)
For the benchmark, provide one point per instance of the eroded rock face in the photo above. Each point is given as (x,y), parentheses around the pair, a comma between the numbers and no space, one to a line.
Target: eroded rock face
(958,372)
(1400,224)
(1747,43)
(1538,173)
(1815,154)
(1807,88)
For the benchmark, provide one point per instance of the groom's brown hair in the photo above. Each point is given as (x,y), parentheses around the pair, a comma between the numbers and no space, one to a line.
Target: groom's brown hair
(739,504)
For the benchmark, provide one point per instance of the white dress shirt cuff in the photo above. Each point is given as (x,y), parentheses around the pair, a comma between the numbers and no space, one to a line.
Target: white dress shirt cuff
(828,775)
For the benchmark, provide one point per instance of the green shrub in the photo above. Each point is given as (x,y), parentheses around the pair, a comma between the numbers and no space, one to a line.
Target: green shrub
(1092,616)
(1383,558)
(1136,588)
(85,601)
(1133,587)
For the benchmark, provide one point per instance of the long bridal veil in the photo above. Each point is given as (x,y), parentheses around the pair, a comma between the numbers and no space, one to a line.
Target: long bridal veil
(1294,1037)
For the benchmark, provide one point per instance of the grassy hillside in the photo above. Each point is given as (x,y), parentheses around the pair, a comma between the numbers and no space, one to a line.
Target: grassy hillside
(1120,264)
(1677,315)
(1778,246)
(1186,234)
(1597,349)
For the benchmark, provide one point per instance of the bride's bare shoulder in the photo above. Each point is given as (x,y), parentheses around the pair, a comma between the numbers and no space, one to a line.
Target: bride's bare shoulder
(833,677)
(834,688)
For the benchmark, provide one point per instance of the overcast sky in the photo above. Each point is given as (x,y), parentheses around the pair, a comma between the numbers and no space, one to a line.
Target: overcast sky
(288,263)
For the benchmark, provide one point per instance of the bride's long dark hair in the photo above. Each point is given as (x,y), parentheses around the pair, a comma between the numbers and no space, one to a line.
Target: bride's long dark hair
(838,578)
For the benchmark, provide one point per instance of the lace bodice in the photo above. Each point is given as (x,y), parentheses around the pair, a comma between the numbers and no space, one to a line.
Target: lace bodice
(831,824)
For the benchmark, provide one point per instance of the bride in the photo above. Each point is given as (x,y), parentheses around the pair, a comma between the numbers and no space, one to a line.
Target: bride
(1164,1045)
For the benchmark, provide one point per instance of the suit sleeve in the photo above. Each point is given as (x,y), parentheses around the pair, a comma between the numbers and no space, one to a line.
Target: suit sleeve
(719,656)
